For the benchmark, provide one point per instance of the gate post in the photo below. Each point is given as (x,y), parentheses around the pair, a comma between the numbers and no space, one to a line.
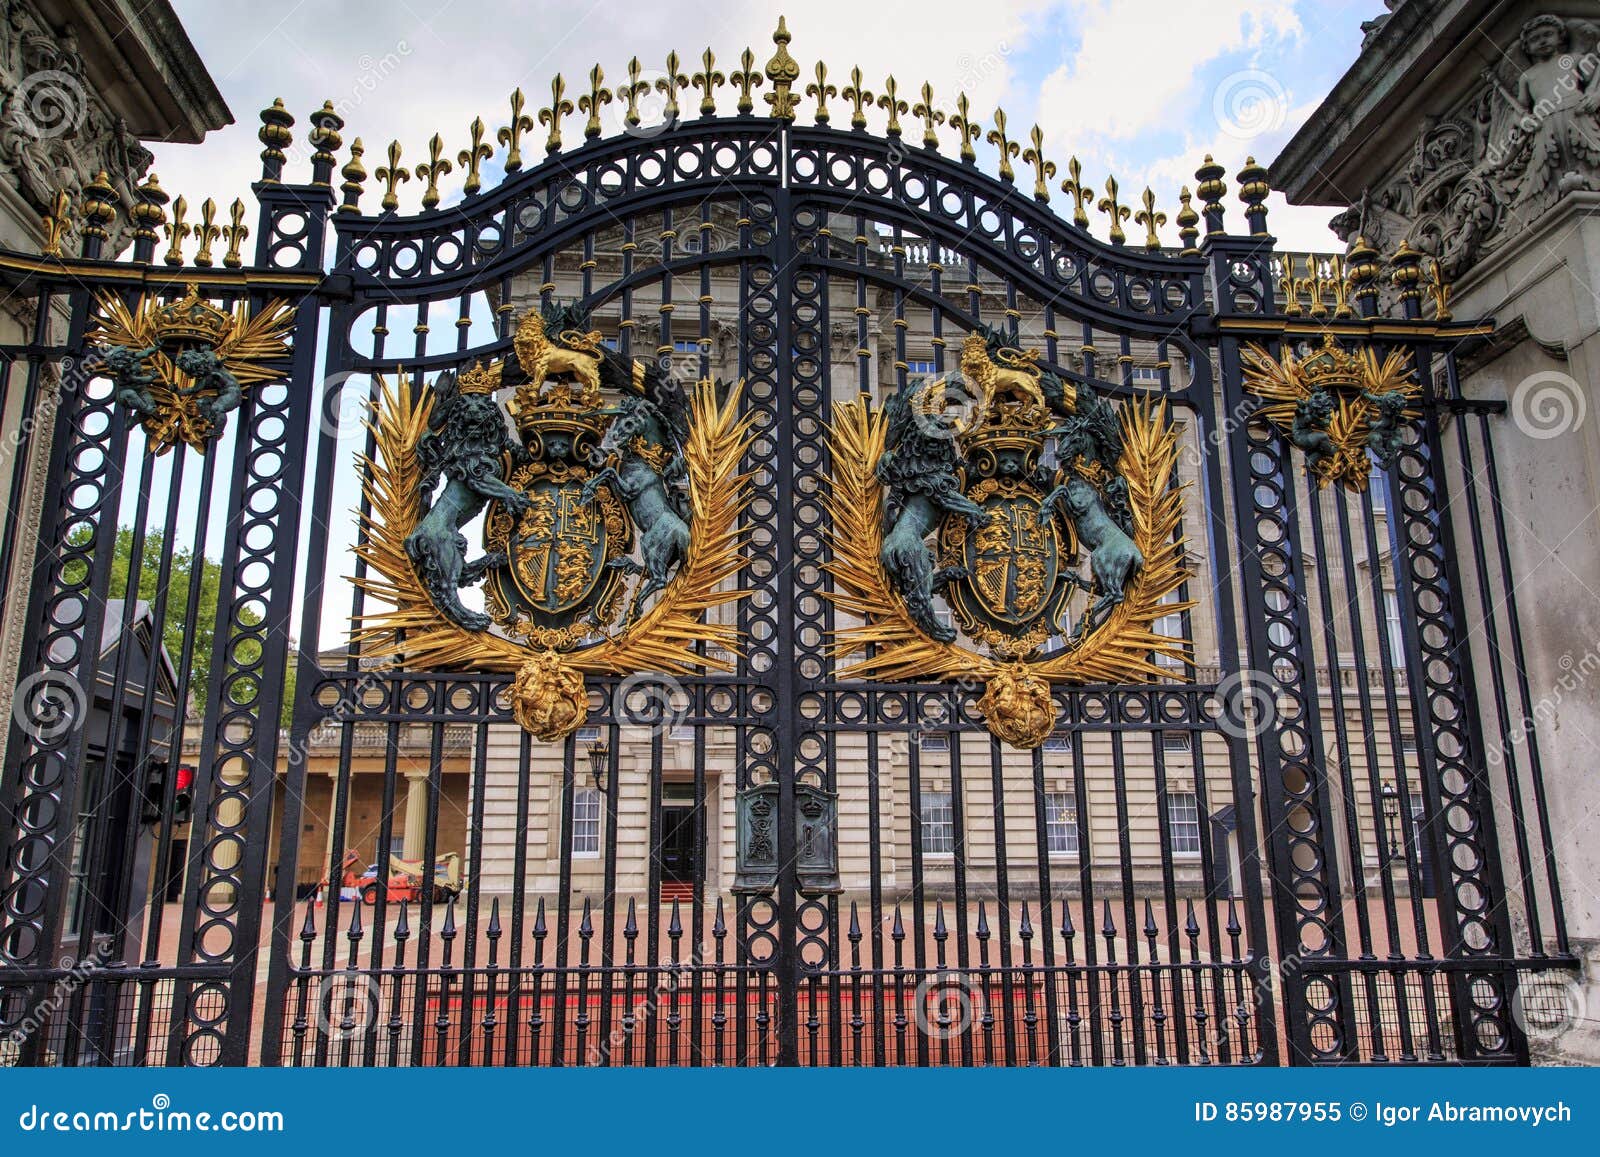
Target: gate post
(239,746)
(1307,899)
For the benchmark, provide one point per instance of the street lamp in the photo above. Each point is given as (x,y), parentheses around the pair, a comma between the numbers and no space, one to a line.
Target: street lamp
(599,763)
(1391,813)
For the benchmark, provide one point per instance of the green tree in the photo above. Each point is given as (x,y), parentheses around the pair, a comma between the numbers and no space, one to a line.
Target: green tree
(180,580)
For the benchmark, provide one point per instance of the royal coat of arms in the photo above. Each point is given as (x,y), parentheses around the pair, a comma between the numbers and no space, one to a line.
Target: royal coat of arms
(610,501)
(1050,573)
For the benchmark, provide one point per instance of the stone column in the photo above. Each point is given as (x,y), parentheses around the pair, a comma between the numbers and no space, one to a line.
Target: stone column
(416,831)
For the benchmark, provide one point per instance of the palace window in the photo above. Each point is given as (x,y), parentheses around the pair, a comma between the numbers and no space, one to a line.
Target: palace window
(1061,822)
(589,734)
(1170,625)
(914,368)
(1391,622)
(933,740)
(1058,741)
(938,823)
(586,822)
(1183,823)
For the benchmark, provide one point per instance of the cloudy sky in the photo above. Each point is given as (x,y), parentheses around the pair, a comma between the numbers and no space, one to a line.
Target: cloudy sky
(1139,88)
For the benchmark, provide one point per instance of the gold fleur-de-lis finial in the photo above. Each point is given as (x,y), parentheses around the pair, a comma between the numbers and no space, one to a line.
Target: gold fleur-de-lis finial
(1314,283)
(591,102)
(1080,193)
(1151,218)
(1117,211)
(431,170)
(822,90)
(1289,286)
(746,79)
(234,233)
(707,80)
(961,121)
(1438,290)
(1043,170)
(1339,283)
(511,134)
(391,175)
(860,99)
(472,157)
(1188,223)
(671,84)
(632,91)
(550,117)
(932,117)
(56,222)
(782,70)
(207,232)
(177,232)
(1008,147)
(891,103)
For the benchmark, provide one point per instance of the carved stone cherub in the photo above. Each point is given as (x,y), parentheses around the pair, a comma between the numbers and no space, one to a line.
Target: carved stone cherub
(132,379)
(1384,435)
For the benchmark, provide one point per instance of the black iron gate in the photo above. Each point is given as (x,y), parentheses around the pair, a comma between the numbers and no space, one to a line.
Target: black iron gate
(1282,849)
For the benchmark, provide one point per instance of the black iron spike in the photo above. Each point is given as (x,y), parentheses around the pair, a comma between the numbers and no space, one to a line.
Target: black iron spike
(1067,930)
(1149,920)
(1191,926)
(719,929)
(983,921)
(540,930)
(630,926)
(674,928)
(1108,927)
(1233,919)
(308,930)
(1025,925)
(448,932)
(586,925)
(494,919)
(354,931)
(939,931)
(898,930)
(855,924)
(402,926)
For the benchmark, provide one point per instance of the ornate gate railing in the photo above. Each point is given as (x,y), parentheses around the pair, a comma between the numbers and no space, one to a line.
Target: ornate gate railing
(1259,815)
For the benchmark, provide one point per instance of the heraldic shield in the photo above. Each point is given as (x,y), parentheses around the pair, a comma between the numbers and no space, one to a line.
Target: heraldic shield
(610,503)
(962,458)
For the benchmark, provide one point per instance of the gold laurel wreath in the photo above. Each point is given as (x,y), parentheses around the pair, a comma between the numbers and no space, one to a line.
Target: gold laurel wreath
(1283,385)
(1124,648)
(407,629)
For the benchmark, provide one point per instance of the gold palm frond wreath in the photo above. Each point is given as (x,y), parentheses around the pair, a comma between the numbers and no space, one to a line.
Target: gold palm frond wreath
(1122,649)
(406,629)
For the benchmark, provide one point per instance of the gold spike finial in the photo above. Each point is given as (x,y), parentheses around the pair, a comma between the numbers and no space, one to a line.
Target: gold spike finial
(550,117)
(671,84)
(822,90)
(860,99)
(472,157)
(1188,223)
(1151,218)
(234,233)
(891,103)
(1080,193)
(56,222)
(1115,210)
(391,175)
(177,232)
(782,71)
(355,178)
(932,117)
(431,170)
(746,79)
(511,134)
(706,80)
(961,121)
(207,232)
(591,102)
(1008,147)
(1043,170)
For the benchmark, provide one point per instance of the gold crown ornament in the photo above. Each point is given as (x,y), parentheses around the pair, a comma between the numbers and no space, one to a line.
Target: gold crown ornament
(479,379)
(190,321)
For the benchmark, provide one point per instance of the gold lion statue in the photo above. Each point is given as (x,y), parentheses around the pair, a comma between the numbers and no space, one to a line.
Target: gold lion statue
(1017,706)
(547,697)
(1013,378)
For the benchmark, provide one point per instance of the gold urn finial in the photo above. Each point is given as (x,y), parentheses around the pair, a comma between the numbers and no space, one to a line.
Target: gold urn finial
(782,71)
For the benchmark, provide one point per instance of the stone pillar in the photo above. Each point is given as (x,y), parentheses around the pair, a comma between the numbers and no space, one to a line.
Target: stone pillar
(416,832)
